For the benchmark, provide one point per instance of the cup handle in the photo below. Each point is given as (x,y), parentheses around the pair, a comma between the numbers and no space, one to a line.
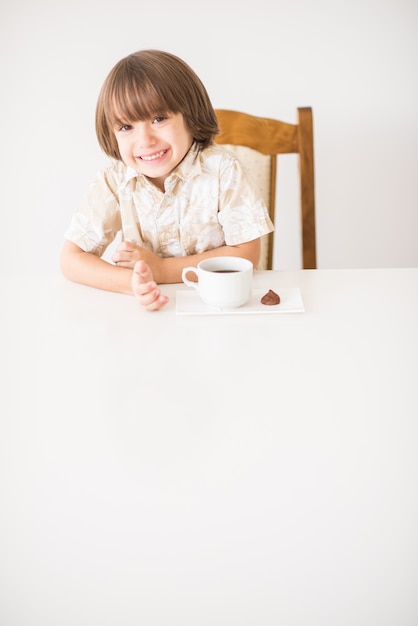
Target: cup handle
(184,278)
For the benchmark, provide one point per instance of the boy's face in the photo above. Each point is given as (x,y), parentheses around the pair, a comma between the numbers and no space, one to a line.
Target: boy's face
(154,147)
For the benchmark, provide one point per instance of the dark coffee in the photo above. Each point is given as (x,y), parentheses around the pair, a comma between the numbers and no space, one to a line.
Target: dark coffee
(224,271)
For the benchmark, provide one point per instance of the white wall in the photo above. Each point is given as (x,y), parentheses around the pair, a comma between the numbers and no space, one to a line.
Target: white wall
(354,61)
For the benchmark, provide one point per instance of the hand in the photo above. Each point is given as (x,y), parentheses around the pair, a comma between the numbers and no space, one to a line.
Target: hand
(145,288)
(128,253)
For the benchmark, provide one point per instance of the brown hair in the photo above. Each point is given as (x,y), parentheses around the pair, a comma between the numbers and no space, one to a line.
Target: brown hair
(149,83)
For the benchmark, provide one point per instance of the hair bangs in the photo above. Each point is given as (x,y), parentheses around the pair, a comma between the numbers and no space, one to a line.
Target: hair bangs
(129,103)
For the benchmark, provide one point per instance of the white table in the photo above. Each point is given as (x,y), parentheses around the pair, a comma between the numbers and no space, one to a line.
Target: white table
(172,470)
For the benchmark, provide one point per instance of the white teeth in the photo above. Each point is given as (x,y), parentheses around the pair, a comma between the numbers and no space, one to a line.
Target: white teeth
(154,156)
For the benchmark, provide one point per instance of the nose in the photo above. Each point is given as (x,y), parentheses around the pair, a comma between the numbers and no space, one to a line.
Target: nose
(144,135)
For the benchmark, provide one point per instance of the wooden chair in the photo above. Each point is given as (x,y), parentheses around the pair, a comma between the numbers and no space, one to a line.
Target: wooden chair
(257,141)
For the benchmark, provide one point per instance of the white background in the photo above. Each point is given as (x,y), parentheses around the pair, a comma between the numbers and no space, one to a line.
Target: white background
(68,483)
(354,61)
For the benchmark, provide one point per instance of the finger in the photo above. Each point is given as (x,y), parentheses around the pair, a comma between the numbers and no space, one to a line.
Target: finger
(158,303)
(128,264)
(148,292)
(150,296)
(122,255)
(126,246)
(152,299)
(119,257)
(142,272)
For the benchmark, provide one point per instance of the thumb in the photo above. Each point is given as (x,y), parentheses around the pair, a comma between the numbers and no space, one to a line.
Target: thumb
(143,271)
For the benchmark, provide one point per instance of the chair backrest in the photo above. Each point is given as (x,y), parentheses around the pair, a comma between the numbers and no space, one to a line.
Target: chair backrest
(257,142)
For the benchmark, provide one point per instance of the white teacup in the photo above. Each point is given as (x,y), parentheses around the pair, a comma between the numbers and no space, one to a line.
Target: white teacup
(224,282)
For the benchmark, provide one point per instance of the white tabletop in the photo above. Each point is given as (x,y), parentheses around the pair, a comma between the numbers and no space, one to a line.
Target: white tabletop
(159,469)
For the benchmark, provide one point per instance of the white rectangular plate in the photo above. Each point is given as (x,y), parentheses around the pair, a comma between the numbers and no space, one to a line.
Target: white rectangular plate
(188,302)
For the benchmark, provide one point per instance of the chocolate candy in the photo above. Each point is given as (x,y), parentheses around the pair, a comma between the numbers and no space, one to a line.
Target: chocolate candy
(270,298)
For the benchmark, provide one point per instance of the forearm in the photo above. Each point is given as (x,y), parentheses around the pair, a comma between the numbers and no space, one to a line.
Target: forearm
(89,269)
(171,268)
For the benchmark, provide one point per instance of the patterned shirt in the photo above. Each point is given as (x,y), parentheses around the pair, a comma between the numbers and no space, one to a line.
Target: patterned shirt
(209,201)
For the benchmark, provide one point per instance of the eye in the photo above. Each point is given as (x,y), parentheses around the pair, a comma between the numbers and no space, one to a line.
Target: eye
(158,119)
(121,127)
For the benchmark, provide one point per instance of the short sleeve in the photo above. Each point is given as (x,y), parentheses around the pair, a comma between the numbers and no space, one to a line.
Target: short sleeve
(97,220)
(243,214)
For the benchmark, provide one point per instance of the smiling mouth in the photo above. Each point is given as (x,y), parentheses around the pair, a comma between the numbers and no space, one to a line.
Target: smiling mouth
(152,157)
